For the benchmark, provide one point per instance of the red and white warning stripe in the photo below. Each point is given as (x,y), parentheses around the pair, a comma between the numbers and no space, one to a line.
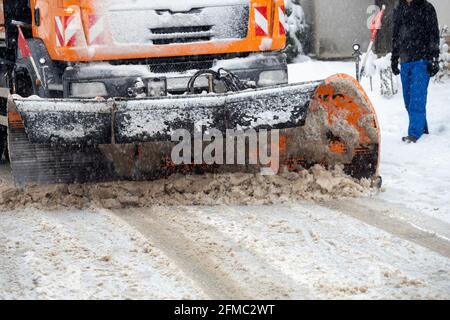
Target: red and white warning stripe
(72,28)
(97,29)
(69,31)
(282,17)
(60,31)
(261,21)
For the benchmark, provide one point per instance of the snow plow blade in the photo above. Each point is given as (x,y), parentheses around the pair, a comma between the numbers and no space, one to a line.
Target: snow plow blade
(74,141)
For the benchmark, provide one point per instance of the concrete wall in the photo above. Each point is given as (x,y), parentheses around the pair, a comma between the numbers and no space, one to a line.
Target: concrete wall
(443,11)
(337,25)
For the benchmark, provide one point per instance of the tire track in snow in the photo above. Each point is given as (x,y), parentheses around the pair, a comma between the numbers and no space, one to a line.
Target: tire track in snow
(217,263)
(425,231)
(84,255)
(334,255)
(300,251)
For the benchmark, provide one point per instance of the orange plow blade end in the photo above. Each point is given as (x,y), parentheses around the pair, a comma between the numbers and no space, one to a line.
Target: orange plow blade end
(341,128)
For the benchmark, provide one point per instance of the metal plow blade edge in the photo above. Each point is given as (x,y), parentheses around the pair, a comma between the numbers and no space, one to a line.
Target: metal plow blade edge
(75,141)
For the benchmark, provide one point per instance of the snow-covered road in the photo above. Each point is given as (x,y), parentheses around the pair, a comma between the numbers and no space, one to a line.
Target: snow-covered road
(303,250)
(395,244)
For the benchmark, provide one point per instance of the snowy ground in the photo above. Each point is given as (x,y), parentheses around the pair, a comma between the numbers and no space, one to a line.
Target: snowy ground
(80,255)
(417,176)
(395,245)
(299,251)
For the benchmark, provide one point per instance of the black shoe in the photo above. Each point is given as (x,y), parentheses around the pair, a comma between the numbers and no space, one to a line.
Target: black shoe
(426,131)
(409,139)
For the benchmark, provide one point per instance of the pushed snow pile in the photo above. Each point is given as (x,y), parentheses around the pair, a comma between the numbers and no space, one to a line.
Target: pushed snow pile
(221,189)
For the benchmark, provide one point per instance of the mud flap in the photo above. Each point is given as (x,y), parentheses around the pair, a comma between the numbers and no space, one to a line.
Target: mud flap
(40,163)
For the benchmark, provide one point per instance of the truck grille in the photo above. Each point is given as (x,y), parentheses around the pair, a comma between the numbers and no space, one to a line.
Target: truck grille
(164,27)
(179,64)
(181,34)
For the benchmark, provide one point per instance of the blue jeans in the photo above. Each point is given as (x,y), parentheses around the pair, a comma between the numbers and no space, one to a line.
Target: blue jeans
(415,80)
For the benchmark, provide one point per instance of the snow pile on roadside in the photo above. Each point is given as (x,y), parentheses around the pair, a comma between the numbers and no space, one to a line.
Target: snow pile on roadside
(238,188)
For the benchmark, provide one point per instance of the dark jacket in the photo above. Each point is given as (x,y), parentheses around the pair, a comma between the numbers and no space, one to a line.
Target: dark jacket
(416,31)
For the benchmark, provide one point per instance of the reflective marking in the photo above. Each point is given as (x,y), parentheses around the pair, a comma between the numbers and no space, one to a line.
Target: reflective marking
(262,24)
(283,19)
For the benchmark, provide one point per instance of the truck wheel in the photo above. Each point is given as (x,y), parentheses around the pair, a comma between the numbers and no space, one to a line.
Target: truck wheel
(3,147)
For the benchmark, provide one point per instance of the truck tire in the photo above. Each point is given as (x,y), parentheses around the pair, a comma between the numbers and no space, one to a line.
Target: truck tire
(3,147)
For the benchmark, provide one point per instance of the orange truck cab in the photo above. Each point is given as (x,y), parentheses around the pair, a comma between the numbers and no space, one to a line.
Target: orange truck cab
(140,48)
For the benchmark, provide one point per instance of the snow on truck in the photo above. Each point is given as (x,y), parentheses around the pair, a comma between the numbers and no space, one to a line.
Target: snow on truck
(92,90)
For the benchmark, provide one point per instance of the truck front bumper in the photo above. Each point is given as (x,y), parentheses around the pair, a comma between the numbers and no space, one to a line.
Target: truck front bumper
(124,80)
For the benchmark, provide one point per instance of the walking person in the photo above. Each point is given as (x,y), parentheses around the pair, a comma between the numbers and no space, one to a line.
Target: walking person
(416,46)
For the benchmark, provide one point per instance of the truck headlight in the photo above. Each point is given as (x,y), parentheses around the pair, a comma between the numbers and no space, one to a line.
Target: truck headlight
(272,77)
(88,89)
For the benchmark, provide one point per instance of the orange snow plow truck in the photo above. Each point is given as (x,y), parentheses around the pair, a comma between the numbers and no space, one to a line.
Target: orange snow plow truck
(93,90)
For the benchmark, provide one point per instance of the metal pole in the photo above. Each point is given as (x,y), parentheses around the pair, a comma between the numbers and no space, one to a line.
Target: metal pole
(392,81)
(358,74)
(357,55)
